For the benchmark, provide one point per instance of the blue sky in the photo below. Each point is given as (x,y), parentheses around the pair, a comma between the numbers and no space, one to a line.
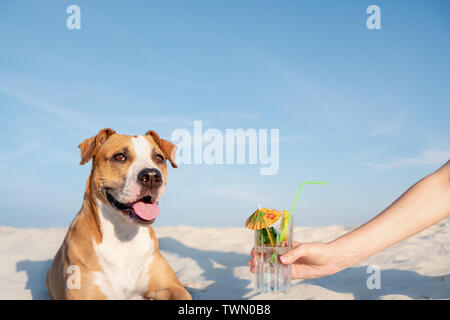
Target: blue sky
(365,110)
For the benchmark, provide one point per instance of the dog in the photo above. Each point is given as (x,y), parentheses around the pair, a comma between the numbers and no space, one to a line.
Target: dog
(110,250)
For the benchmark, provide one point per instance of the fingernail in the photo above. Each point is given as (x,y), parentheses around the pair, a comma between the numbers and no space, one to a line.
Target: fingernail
(283,259)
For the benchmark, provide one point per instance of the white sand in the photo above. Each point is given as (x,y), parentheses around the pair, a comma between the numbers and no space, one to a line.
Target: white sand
(212,262)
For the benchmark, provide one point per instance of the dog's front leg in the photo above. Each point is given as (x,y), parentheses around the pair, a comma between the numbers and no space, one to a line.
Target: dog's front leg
(163,282)
(175,293)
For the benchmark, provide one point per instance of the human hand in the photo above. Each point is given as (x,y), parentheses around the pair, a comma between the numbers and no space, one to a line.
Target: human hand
(309,260)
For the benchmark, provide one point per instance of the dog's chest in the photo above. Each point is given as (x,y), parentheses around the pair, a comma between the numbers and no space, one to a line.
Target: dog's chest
(124,257)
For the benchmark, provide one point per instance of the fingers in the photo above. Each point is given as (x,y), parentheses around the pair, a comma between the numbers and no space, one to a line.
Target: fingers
(251,263)
(294,254)
(304,272)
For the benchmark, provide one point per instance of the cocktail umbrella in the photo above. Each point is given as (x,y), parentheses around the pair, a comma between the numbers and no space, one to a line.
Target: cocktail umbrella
(263,218)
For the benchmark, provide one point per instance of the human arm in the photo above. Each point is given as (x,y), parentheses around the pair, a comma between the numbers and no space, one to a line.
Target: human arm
(422,205)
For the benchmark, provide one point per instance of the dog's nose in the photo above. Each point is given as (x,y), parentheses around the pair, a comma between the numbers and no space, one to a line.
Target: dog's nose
(150,178)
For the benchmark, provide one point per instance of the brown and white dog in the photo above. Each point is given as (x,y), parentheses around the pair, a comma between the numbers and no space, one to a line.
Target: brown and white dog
(110,245)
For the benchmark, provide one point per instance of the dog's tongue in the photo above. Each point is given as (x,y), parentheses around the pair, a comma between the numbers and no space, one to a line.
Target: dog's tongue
(146,211)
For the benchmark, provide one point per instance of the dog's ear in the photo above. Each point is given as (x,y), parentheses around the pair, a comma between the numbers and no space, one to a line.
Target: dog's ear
(90,146)
(167,147)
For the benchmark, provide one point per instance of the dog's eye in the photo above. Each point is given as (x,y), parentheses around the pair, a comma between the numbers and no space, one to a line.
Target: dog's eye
(159,158)
(119,157)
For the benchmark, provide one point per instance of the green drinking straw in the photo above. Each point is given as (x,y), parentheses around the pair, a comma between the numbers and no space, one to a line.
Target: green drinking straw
(286,224)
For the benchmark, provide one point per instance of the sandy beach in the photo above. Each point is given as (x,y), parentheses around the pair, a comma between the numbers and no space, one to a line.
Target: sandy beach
(212,263)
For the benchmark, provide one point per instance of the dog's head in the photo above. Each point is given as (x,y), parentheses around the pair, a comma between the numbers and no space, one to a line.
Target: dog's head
(129,173)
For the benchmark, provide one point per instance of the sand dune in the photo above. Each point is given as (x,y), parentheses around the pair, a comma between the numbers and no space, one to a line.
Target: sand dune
(212,262)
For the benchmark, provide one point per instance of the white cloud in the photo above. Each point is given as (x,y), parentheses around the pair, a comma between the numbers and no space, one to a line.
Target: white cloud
(389,125)
(239,115)
(66,114)
(188,84)
(297,138)
(42,155)
(234,192)
(384,129)
(21,151)
(158,120)
(426,158)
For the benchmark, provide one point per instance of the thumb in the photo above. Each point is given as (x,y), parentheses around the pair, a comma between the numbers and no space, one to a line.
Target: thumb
(294,254)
